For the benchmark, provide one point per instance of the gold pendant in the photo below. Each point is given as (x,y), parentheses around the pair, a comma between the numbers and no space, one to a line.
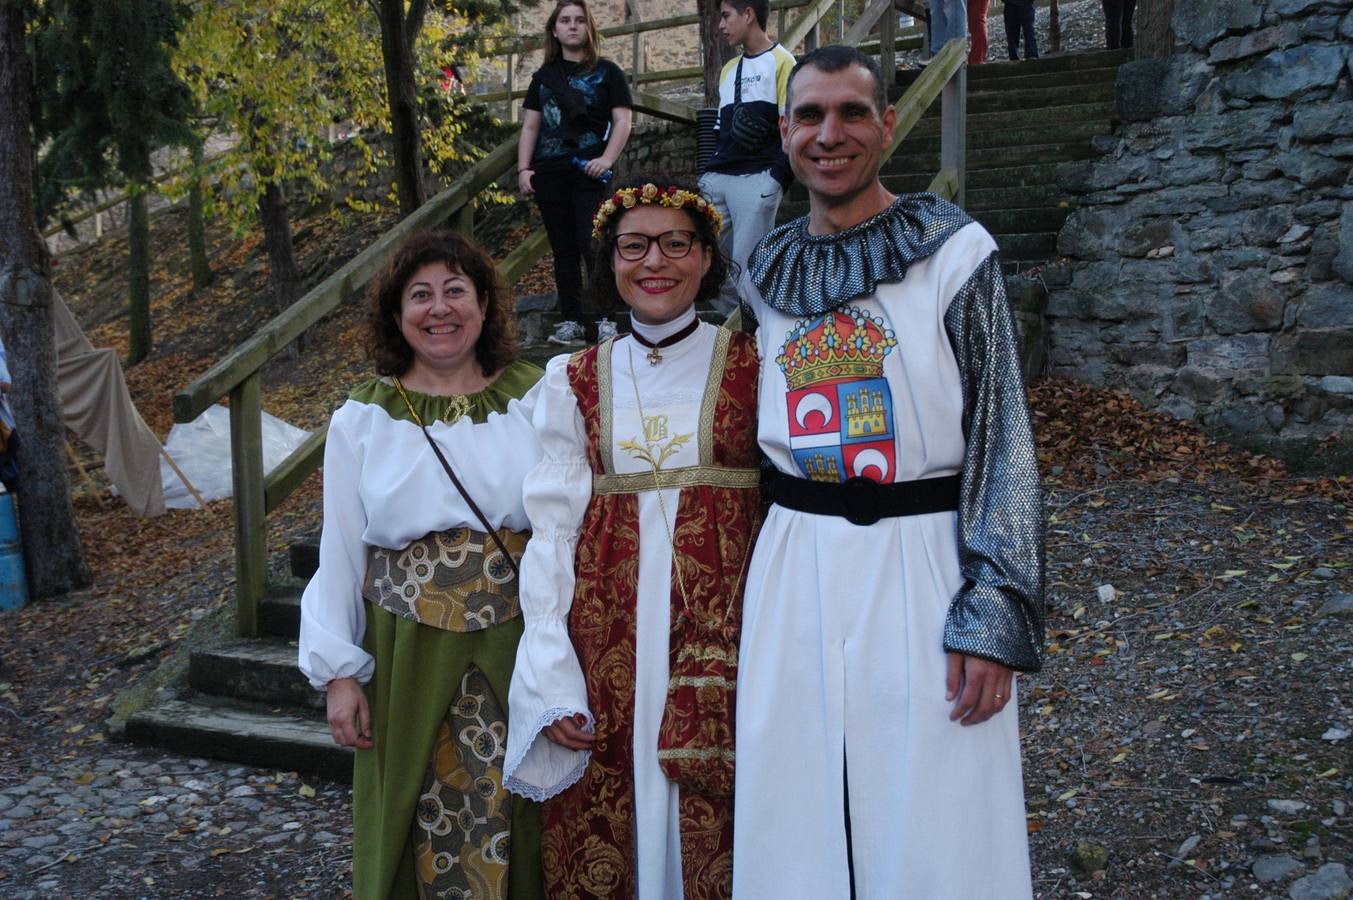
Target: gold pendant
(456,409)
(654,357)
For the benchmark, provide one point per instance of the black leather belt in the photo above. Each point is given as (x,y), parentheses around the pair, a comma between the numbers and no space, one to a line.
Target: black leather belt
(860,500)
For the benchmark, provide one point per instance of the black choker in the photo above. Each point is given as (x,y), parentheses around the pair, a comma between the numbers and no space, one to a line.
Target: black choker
(654,357)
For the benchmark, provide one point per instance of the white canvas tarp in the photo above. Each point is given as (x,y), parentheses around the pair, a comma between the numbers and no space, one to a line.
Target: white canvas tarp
(97,407)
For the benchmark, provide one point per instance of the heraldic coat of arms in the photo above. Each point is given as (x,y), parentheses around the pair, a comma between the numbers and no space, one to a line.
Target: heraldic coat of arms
(840,408)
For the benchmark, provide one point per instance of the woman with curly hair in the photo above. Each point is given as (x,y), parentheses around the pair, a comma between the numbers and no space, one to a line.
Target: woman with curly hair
(643,511)
(416,594)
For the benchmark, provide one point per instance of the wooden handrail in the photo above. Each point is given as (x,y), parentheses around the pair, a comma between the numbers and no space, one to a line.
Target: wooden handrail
(805,22)
(866,22)
(928,86)
(945,183)
(661,108)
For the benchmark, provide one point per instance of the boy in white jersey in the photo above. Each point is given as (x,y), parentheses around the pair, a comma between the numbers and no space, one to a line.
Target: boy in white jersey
(749,171)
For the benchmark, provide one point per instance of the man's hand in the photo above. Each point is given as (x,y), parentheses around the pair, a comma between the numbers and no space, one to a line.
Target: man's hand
(524,182)
(979,687)
(349,715)
(4,387)
(569,733)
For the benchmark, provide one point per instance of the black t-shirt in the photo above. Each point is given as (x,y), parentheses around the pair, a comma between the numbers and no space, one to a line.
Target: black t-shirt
(601,88)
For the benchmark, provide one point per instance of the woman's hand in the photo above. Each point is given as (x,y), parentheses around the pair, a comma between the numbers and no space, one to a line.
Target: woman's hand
(524,182)
(597,167)
(349,715)
(982,688)
(569,733)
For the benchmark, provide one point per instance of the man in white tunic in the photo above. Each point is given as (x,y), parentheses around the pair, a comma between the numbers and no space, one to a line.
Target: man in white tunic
(896,585)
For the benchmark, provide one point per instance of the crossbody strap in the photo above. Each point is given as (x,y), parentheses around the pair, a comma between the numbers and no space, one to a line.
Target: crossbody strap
(474,507)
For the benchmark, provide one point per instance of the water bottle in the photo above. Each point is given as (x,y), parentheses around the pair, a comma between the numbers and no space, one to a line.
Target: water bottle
(581,165)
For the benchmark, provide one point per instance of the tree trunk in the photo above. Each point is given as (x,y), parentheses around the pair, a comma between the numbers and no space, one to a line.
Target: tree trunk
(138,274)
(53,555)
(284,273)
(1054,28)
(1155,36)
(197,226)
(714,49)
(397,52)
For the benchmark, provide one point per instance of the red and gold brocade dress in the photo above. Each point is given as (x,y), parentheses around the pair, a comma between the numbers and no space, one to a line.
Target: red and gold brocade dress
(600,602)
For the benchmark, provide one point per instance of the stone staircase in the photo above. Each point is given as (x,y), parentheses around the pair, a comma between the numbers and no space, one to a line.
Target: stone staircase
(247,702)
(1024,118)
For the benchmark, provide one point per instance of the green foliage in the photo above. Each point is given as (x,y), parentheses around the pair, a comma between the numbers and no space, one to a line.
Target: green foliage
(106,96)
(278,75)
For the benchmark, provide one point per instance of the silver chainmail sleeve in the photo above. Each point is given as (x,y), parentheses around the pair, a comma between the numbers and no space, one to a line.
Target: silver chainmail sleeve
(998,613)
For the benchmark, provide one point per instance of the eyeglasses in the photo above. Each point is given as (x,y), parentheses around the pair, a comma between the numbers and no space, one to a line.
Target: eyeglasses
(674,244)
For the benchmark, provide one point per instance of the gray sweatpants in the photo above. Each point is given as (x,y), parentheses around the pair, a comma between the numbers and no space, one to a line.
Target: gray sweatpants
(747,204)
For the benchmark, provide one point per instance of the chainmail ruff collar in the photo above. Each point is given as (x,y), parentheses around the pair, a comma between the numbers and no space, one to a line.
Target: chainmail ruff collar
(801,274)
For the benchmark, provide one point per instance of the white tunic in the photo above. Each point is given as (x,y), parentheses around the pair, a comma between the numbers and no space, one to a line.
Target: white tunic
(547,682)
(842,655)
(383,487)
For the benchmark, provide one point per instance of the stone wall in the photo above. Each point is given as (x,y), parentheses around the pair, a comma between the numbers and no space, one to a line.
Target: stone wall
(656,145)
(1209,263)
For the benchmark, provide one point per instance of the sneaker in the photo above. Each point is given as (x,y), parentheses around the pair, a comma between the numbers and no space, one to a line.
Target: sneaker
(567,332)
(605,329)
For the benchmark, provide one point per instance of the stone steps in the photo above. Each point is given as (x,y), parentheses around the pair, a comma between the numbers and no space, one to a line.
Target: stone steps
(992,135)
(261,671)
(1024,119)
(247,700)
(994,122)
(252,734)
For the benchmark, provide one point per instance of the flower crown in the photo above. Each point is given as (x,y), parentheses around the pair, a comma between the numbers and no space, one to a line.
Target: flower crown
(650,195)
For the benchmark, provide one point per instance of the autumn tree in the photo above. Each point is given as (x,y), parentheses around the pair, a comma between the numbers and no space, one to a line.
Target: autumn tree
(108,99)
(399,32)
(454,30)
(278,75)
(53,555)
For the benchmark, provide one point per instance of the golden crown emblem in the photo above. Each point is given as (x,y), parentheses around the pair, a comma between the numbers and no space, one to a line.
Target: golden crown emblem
(845,343)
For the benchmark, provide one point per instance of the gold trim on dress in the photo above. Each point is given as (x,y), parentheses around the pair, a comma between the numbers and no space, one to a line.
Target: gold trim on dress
(689,476)
(710,403)
(699,681)
(696,753)
(607,410)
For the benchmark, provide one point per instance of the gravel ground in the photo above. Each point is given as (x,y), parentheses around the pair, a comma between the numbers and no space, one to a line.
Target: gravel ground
(138,823)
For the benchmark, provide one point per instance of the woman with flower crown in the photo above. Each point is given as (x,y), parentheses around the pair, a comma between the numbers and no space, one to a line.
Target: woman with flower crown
(643,511)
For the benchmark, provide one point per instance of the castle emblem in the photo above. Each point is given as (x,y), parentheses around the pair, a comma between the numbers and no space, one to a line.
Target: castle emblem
(840,408)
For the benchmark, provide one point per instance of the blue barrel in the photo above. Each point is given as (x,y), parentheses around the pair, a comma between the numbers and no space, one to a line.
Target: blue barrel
(13,585)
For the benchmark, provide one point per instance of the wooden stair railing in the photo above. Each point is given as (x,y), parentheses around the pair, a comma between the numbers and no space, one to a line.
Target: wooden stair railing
(238,375)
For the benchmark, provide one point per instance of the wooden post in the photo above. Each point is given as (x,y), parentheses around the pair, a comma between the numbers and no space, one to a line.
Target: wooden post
(84,473)
(246,464)
(636,65)
(953,130)
(888,47)
(462,220)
